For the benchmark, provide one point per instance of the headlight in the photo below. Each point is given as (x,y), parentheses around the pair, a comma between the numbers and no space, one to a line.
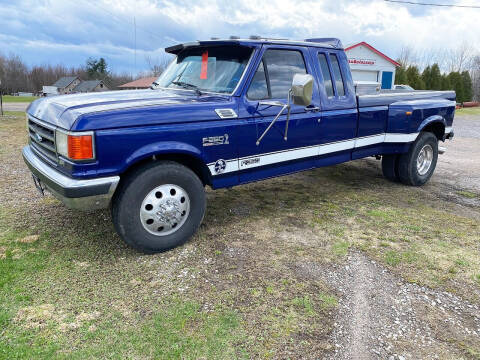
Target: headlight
(75,146)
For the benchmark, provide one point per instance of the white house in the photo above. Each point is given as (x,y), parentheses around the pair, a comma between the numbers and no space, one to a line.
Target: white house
(370,65)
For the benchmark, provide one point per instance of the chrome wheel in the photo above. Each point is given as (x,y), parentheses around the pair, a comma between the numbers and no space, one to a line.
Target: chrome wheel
(165,209)
(424,159)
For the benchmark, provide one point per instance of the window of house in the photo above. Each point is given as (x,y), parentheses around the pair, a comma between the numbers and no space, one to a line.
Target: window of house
(274,75)
(327,77)
(338,75)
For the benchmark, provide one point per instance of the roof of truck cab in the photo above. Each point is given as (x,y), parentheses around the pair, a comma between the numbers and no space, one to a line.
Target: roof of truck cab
(330,43)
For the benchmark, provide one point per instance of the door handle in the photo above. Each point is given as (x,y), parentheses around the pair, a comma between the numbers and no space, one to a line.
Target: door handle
(312,108)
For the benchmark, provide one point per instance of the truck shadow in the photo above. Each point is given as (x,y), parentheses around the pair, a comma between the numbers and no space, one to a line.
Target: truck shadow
(93,232)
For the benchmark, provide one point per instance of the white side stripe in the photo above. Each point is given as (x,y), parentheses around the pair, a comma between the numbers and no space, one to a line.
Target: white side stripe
(400,138)
(369,140)
(254,161)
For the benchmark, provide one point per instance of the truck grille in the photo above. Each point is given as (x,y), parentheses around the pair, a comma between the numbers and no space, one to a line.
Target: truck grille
(42,138)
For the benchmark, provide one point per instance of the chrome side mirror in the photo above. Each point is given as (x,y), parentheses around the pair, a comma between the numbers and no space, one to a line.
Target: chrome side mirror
(299,94)
(302,89)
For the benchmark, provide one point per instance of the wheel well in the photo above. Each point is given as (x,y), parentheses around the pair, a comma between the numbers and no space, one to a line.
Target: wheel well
(194,164)
(436,128)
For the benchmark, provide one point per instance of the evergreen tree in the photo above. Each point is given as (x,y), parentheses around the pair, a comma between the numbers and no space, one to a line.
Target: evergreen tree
(435,78)
(467,86)
(414,79)
(97,69)
(427,78)
(445,83)
(456,83)
(401,76)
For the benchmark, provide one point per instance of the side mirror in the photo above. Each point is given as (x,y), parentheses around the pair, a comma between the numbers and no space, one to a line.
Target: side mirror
(302,88)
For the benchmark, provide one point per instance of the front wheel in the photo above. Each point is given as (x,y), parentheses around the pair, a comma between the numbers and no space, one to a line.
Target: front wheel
(416,167)
(159,206)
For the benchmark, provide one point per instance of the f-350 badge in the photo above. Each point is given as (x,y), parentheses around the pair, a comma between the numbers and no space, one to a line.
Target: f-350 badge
(215,140)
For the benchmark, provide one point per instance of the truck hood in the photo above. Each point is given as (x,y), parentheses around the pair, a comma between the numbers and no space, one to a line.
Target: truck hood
(65,110)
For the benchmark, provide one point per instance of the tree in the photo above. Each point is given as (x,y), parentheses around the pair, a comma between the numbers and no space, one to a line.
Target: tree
(157,65)
(467,86)
(445,83)
(456,82)
(435,77)
(401,76)
(427,77)
(414,78)
(97,69)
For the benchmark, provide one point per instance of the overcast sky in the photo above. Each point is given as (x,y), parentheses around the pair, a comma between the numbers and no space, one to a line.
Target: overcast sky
(69,31)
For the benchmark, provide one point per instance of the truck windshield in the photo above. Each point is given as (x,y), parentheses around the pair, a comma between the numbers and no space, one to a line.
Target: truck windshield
(211,69)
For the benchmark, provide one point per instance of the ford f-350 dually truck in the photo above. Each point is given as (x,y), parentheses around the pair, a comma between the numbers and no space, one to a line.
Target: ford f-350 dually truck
(224,113)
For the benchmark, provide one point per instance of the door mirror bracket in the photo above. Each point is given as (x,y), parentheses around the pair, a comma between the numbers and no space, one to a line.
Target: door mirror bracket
(300,94)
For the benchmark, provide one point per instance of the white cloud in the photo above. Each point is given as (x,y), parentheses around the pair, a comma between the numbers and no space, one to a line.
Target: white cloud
(106,26)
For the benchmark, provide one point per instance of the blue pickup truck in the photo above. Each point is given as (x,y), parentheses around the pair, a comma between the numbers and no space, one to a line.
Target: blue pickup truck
(224,113)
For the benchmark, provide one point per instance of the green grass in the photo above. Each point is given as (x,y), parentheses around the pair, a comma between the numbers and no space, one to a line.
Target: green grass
(468,194)
(250,284)
(468,111)
(18,99)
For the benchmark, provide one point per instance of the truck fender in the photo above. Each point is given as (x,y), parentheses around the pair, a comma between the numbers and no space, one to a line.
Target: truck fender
(170,149)
(435,124)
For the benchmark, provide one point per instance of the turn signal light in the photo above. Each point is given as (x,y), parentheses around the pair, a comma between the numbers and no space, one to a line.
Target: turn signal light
(80,147)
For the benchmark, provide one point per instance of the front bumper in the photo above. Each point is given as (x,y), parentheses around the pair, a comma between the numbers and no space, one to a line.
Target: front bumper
(86,194)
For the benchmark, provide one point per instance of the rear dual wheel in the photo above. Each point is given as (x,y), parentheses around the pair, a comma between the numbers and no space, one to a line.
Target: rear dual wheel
(416,166)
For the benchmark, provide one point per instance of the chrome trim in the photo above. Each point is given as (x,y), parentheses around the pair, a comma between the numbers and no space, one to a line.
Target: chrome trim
(48,174)
(226,113)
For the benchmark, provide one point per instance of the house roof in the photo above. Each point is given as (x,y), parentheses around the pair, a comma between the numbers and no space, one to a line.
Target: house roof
(86,86)
(65,81)
(142,83)
(363,43)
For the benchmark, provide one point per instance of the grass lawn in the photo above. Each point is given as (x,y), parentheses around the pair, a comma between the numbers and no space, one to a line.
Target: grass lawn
(69,288)
(468,111)
(18,99)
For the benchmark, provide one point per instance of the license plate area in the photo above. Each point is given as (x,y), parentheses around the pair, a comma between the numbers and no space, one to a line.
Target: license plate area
(38,184)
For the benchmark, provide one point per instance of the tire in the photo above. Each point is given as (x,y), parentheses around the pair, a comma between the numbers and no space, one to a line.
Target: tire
(409,172)
(158,206)
(390,167)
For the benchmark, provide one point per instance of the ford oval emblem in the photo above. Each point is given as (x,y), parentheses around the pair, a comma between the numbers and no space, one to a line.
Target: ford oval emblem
(38,137)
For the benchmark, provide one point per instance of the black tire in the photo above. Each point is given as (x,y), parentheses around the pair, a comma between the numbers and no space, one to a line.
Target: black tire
(390,167)
(135,188)
(407,163)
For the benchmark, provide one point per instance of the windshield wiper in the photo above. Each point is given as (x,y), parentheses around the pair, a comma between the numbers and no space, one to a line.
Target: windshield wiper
(188,86)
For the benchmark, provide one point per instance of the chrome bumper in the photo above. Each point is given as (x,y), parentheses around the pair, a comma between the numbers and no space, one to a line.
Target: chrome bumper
(86,194)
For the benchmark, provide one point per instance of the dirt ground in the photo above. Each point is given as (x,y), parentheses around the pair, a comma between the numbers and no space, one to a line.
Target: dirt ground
(15,106)
(334,263)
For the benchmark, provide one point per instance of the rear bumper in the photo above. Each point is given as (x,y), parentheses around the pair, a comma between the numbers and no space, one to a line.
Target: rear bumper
(76,194)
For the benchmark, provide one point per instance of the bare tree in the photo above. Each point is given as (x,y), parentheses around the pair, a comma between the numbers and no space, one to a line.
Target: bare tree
(460,59)
(407,56)
(158,64)
(475,74)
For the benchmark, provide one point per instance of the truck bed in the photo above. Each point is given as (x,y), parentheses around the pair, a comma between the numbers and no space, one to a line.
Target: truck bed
(390,98)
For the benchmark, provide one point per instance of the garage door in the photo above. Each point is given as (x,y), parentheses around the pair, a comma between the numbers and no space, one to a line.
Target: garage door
(361,75)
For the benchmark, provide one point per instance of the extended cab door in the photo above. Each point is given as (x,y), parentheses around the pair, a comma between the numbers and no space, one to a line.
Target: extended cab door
(271,80)
(339,115)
